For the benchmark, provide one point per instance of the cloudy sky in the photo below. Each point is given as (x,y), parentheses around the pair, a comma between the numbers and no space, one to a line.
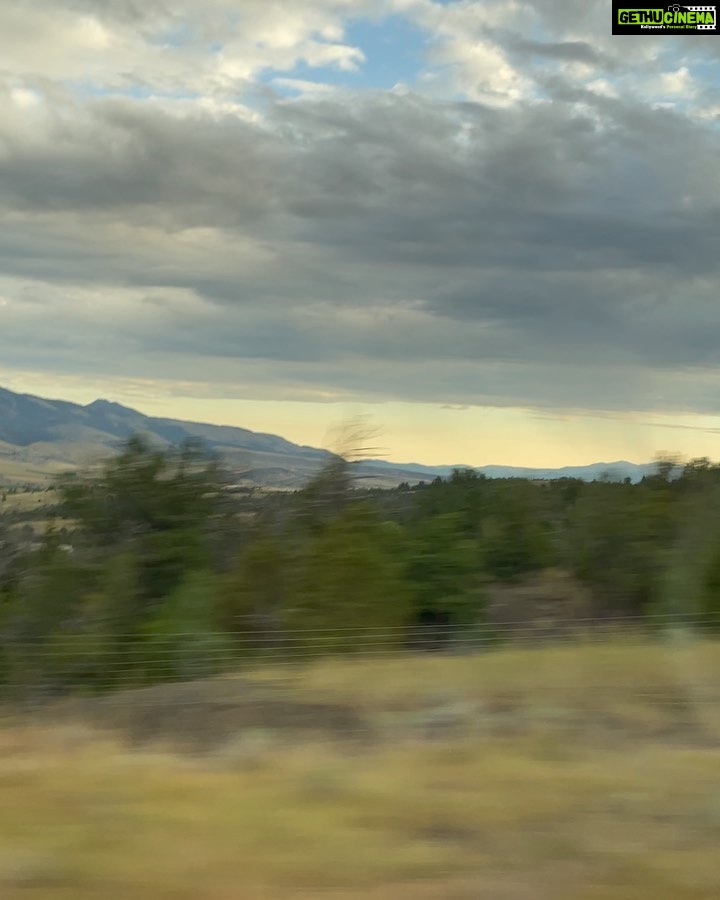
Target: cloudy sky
(492,227)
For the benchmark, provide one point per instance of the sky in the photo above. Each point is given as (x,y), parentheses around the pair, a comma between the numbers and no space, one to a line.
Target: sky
(491,228)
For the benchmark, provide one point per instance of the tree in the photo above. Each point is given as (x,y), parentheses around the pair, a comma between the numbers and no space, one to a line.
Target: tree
(181,639)
(43,622)
(156,504)
(620,536)
(349,578)
(516,536)
(256,592)
(330,490)
(444,567)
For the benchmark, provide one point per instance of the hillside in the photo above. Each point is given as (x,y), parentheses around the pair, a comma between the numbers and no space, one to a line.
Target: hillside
(40,438)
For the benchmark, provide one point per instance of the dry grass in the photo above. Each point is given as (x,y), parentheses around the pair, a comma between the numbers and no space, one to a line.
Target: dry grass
(27,501)
(552,773)
(37,504)
(27,471)
(665,686)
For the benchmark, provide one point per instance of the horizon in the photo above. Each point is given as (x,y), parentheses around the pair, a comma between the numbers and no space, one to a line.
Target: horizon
(472,221)
(383,458)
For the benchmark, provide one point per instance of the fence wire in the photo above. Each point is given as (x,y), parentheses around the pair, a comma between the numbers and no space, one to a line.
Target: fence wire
(62,664)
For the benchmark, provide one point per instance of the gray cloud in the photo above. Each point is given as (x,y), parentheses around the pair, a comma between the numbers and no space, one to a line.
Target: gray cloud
(555,252)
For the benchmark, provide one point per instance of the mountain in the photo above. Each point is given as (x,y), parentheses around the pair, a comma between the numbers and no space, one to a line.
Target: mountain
(614,471)
(40,438)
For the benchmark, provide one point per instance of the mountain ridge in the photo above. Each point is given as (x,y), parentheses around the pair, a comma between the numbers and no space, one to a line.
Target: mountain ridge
(40,437)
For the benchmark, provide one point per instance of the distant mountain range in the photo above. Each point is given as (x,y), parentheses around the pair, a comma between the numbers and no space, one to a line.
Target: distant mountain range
(40,438)
(614,471)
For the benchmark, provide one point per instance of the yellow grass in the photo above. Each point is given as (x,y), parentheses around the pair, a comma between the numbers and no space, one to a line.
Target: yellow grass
(22,471)
(566,776)
(26,501)
(633,681)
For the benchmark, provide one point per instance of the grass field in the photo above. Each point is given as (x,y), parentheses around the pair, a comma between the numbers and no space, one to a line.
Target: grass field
(35,507)
(27,501)
(583,772)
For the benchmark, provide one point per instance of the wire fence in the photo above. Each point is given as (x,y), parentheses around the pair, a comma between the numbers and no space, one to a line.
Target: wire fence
(60,664)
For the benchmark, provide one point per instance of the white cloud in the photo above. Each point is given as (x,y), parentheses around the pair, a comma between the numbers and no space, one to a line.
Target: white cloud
(680,82)
(602,87)
(501,230)
(471,62)
(478,69)
(302,86)
(195,46)
(711,112)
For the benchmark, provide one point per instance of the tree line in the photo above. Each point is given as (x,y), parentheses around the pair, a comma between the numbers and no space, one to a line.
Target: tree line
(162,572)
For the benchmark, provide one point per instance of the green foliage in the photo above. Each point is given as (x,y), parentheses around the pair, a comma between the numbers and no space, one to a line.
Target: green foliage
(181,640)
(157,505)
(255,594)
(516,535)
(619,536)
(143,491)
(167,576)
(465,495)
(444,569)
(711,596)
(44,644)
(350,576)
(707,556)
